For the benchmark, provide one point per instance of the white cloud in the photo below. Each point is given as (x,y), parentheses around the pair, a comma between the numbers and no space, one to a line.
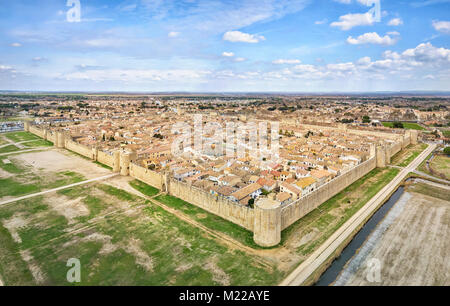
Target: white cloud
(173,34)
(16,45)
(5,68)
(237,36)
(395,22)
(343,1)
(240,59)
(286,61)
(372,38)
(427,53)
(442,26)
(346,22)
(228,54)
(318,22)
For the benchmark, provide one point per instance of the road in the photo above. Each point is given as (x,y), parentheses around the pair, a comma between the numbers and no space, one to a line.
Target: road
(313,262)
(59,188)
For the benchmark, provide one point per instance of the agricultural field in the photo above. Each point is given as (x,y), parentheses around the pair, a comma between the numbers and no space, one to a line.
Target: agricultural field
(413,248)
(406,125)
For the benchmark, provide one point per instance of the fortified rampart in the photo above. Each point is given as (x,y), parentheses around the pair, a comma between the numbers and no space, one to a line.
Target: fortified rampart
(268,218)
(238,214)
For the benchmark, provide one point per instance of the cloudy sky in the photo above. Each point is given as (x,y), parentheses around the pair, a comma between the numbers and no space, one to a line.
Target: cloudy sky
(225,45)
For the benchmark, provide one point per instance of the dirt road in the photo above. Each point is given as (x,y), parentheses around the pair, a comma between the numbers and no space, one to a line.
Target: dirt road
(59,188)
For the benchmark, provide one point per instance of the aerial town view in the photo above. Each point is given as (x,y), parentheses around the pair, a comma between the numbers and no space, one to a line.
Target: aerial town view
(224,143)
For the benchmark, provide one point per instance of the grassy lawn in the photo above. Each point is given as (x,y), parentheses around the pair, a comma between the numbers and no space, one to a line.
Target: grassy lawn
(440,165)
(200,215)
(38,143)
(120,239)
(210,220)
(407,155)
(406,125)
(21,136)
(144,188)
(322,222)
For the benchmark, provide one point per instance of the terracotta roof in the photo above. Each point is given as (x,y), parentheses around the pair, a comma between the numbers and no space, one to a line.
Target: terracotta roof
(247,190)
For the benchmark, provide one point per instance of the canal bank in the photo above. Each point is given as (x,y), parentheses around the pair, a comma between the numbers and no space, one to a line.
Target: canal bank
(404,242)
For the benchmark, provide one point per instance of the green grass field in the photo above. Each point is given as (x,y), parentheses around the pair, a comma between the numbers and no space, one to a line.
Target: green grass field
(38,143)
(120,239)
(406,125)
(200,215)
(21,136)
(9,149)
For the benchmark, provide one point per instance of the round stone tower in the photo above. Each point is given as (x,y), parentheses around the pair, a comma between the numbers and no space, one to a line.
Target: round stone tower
(116,163)
(414,134)
(381,156)
(26,126)
(267,226)
(60,140)
(125,159)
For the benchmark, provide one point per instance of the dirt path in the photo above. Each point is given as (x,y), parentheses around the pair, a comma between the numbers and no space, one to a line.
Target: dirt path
(1,282)
(17,143)
(57,189)
(26,151)
(225,239)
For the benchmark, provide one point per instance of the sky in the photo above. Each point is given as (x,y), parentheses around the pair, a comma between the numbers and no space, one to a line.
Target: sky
(225,45)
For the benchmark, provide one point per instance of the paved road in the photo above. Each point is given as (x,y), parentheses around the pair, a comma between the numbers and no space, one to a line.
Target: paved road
(59,188)
(431,177)
(313,262)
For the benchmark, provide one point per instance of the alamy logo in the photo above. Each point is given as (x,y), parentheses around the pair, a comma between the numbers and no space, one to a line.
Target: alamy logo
(74,273)
(74,14)
(375,11)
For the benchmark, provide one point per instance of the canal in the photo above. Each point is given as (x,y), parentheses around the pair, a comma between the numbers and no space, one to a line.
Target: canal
(339,264)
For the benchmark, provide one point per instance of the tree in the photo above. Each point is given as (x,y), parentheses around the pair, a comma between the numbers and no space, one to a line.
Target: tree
(366,119)
(251,203)
(397,125)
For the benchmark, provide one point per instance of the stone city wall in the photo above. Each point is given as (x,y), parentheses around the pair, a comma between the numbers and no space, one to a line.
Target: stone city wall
(267,219)
(233,212)
(296,210)
(152,178)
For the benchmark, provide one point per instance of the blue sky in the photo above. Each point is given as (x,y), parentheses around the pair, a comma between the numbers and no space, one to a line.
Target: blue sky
(219,46)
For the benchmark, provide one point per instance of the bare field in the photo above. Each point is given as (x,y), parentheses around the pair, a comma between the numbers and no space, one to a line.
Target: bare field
(60,160)
(413,249)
